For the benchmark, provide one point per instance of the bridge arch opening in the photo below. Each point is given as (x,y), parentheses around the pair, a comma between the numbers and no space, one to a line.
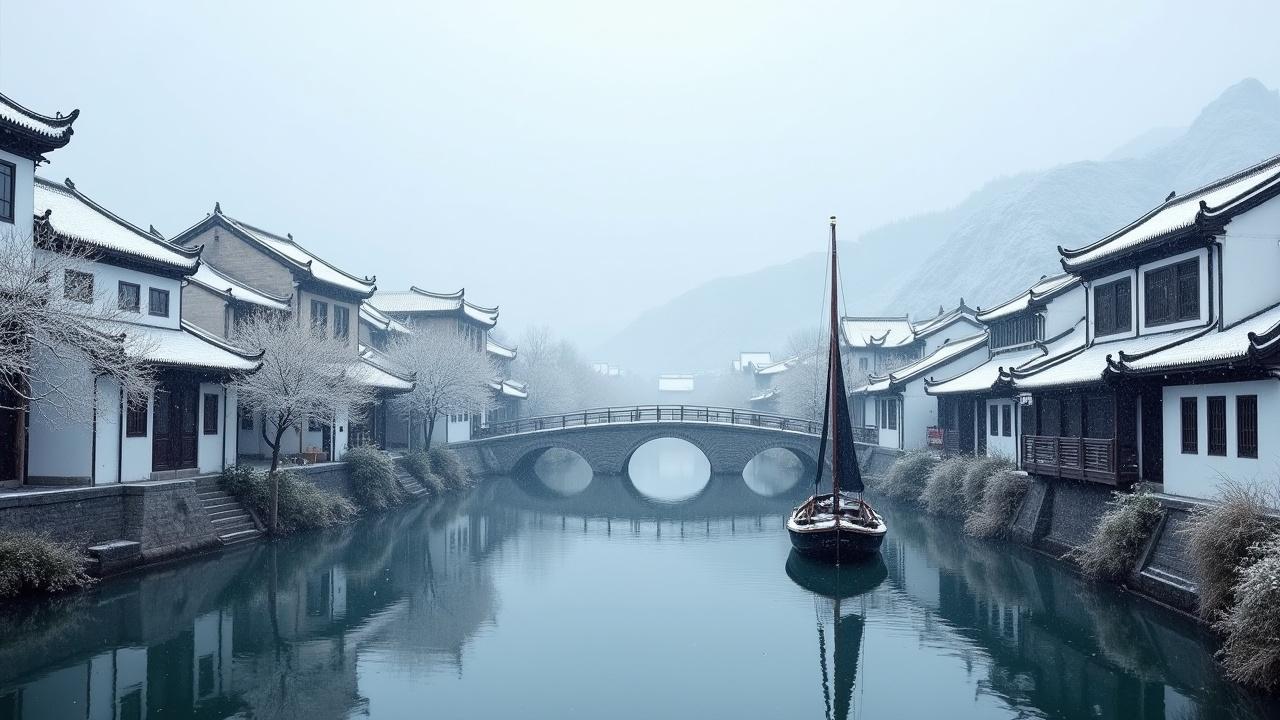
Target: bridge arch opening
(668,469)
(774,471)
(556,471)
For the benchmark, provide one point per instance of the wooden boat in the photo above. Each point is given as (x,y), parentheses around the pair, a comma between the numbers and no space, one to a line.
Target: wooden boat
(839,525)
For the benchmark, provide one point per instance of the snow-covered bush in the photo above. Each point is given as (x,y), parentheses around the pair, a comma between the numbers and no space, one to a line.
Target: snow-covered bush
(1000,500)
(31,562)
(1120,535)
(418,464)
(302,506)
(906,477)
(446,465)
(1251,627)
(371,475)
(944,488)
(975,480)
(1219,537)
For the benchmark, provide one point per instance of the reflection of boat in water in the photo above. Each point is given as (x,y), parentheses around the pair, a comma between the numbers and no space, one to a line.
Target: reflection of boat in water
(834,583)
(837,524)
(830,586)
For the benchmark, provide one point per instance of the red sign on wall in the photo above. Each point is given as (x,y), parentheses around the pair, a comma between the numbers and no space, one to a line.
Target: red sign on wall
(934,435)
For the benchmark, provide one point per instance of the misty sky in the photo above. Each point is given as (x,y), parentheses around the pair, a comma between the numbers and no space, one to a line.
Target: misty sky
(578,162)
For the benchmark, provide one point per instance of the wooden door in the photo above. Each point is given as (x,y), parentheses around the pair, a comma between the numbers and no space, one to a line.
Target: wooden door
(175,428)
(1152,440)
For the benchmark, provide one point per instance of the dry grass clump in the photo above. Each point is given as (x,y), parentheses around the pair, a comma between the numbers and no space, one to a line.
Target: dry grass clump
(446,465)
(975,480)
(906,478)
(943,492)
(419,466)
(1121,533)
(372,478)
(1251,649)
(31,562)
(1000,500)
(1219,537)
(302,505)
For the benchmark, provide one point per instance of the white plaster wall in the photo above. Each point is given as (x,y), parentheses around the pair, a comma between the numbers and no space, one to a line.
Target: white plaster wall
(1064,311)
(959,328)
(1203,256)
(1133,305)
(1250,262)
(60,429)
(1201,475)
(109,433)
(106,290)
(23,198)
(135,457)
(919,409)
(209,447)
(341,431)
(998,445)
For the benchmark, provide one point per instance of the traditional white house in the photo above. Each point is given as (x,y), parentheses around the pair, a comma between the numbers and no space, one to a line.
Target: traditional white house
(25,138)
(508,394)
(276,268)
(1176,378)
(977,412)
(187,424)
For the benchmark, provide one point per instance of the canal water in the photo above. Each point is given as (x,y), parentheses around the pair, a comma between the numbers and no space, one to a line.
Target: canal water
(665,594)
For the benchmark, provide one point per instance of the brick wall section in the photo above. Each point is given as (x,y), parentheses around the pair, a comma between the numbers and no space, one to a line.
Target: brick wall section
(244,262)
(164,516)
(204,309)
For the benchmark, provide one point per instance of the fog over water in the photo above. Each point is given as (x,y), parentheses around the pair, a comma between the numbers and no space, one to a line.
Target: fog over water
(578,162)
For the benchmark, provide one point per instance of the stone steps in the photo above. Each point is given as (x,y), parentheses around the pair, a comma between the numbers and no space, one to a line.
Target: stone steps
(410,484)
(230,520)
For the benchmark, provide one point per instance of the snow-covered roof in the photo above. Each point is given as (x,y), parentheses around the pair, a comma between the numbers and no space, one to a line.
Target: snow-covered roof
(779,367)
(983,377)
(378,319)
(1214,347)
(29,133)
(377,370)
(66,212)
(1044,289)
(766,395)
(493,347)
(206,276)
(510,388)
(675,383)
(1182,214)
(752,360)
(188,346)
(944,319)
(1084,365)
(889,332)
(415,301)
(285,249)
(935,360)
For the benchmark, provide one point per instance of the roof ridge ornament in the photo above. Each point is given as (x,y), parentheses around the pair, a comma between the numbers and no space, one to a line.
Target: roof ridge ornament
(1172,194)
(70,185)
(217,208)
(152,229)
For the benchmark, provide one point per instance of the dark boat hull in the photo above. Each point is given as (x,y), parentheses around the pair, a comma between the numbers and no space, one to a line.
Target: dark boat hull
(830,545)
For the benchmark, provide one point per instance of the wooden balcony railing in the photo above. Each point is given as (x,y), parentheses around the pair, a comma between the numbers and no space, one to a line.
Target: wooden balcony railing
(1075,458)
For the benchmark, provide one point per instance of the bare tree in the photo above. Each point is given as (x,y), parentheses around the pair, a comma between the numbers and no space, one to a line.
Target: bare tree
(304,375)
(450,375)
(803,385)
(559,379)
(57,335)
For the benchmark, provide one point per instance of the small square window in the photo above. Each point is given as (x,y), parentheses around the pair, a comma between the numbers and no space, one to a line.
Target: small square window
(158,302)
(130,296)
(77,286)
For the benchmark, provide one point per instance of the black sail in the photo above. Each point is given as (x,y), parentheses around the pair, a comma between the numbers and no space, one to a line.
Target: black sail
(850,475)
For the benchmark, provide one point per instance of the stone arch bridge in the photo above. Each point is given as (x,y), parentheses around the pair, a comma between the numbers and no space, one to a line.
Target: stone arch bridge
(607,437)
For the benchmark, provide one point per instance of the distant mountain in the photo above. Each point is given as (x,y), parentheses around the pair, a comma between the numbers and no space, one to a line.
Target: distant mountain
(987,248)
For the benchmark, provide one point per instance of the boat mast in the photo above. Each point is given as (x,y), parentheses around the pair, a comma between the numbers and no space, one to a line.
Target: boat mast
(832,359)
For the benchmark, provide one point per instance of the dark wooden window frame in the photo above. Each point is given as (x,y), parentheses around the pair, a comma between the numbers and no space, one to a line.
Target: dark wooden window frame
(1006,420)
(77,285)
(246,419)
(122,303)
(1174,290)
(1247,426)
(319,315)
(155,298)
(342,324)
(1112,308)
(136,418)
(209,411)
(993,420)
(8,190)
(1189,411)
(1216,418)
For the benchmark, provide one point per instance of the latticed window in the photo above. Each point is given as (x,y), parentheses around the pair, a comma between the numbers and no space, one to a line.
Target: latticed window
(210,414)
(8,177)
(993,420)
(1006,420)
(1111,307)
(136,411)
(1190,426)
(1017,331)
(1172,293)
(158,302)
(1247,426)
(1217,415)
(129,296)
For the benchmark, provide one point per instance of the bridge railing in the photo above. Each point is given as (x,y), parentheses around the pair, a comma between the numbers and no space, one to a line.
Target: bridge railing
(650,413)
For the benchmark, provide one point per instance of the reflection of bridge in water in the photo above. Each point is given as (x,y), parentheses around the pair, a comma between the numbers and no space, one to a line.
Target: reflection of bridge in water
(607,437)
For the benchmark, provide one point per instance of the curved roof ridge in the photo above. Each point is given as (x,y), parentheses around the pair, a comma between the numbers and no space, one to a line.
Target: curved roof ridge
(241,283)
(288,238)
(220,342)
(455,295)
(59,121)
(68,186)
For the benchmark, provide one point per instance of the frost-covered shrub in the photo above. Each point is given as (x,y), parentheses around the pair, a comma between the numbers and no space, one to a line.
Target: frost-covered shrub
(975,480)
(1251,627)
(906,477)
(418,465)
(1000,500)
(32,562)
(1219,537)
(1121,533)
(371,475)
(943,489)
(446,465)
(302,506)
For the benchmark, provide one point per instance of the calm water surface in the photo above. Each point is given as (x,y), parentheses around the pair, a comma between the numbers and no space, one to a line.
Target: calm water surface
(669,594)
